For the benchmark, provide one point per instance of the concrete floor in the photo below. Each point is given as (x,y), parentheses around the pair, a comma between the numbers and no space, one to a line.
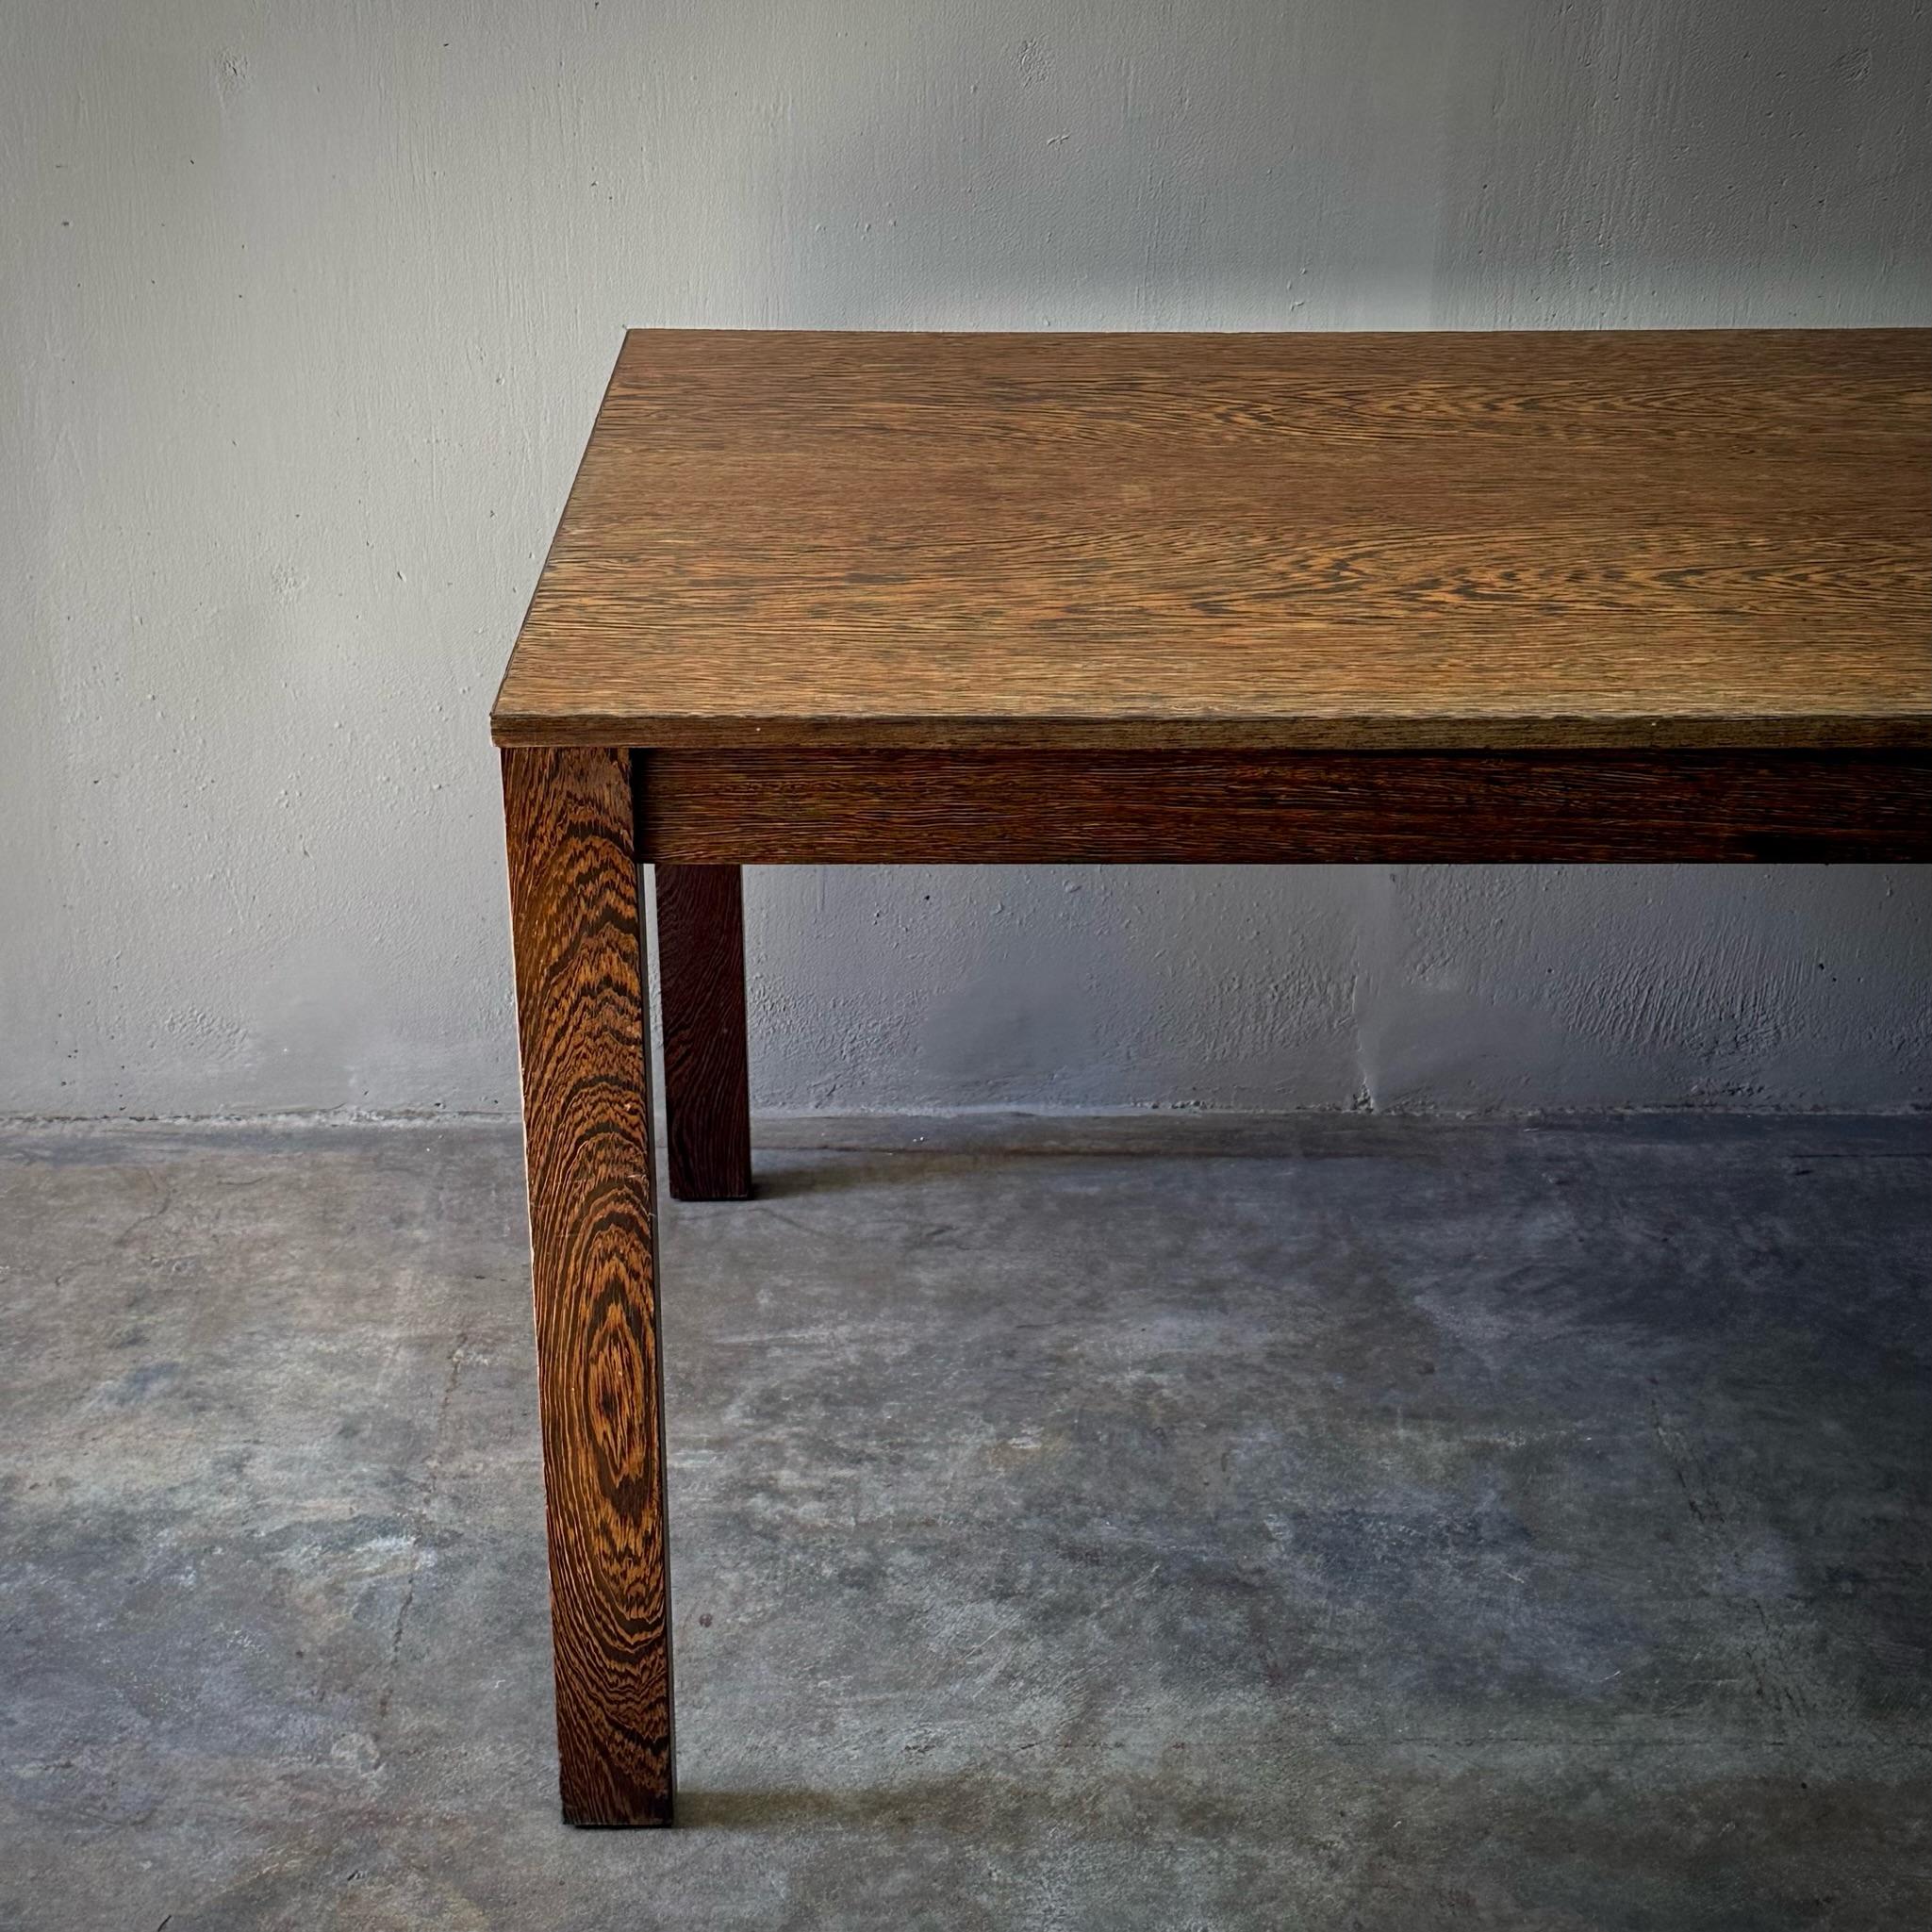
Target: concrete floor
(1344,1523)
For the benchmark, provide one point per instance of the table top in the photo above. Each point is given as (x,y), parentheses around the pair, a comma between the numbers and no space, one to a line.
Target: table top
(1632,538)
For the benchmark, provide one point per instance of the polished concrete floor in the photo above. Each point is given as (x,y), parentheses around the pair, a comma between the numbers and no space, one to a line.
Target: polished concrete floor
(1343,1523)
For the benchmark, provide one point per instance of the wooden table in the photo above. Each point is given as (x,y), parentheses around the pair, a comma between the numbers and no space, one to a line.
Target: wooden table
(841,597)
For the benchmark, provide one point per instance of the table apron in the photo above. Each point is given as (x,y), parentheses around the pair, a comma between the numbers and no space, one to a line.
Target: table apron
(890,807)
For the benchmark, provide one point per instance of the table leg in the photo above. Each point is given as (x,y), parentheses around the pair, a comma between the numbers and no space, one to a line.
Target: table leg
(587,1129)
(701,977)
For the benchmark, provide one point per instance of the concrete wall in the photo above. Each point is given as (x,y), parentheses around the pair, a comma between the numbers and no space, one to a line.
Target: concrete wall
(305,310)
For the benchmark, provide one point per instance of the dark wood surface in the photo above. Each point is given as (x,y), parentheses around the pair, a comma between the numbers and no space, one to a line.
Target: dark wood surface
(884,808)
(700,980)
(1632,540)
(586,1125)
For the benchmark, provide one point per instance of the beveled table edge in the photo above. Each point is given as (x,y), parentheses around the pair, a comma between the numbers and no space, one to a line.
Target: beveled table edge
(1851,733)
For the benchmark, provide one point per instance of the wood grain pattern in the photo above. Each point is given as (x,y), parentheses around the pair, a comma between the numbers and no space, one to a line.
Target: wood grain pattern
(586,1125)
(1065,807)
(700,980)
(1453,541)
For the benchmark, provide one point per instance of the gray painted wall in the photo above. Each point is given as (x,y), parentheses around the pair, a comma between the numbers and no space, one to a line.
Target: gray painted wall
(305,311)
